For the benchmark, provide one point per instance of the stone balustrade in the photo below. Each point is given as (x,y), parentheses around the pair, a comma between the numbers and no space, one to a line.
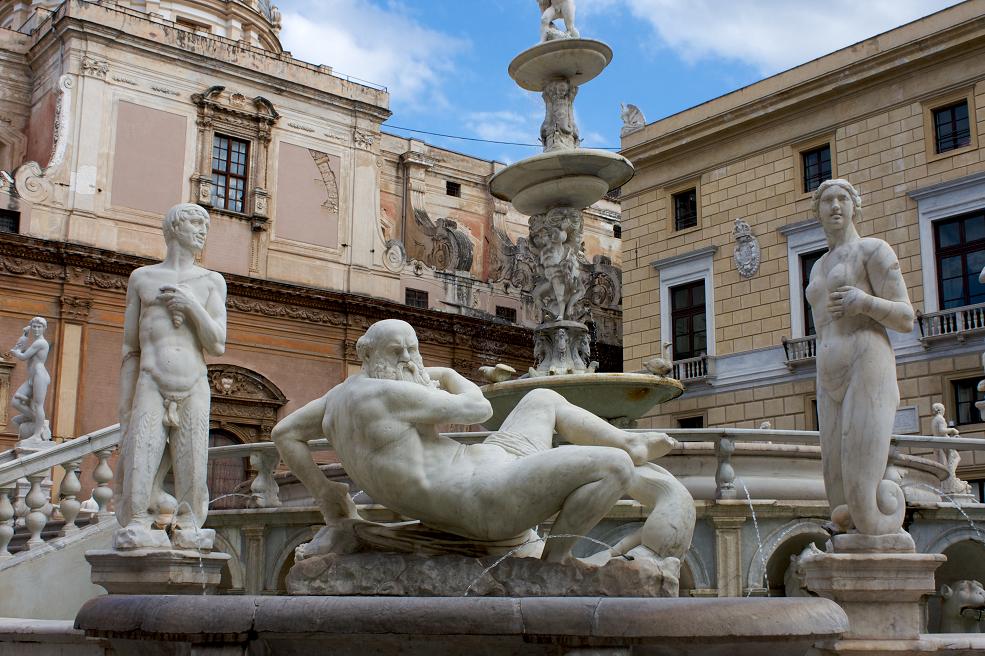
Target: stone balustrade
(693,370)
(799,350)
(957,323)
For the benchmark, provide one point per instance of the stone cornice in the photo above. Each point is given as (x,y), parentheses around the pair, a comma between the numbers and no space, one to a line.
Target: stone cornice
(973,180)
(707,251)
(733,113)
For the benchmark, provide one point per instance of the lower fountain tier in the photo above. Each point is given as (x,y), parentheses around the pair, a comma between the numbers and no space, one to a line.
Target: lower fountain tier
(535,626)
(565,178)
(612,396)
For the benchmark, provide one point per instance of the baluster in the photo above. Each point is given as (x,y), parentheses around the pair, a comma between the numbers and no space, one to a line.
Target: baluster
(265,491)
(102,474)
(20,508)
(6,519)
(36,519)
(68,493)
(725,476)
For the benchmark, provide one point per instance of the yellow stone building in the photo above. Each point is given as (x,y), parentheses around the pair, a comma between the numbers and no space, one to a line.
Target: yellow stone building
(902,117)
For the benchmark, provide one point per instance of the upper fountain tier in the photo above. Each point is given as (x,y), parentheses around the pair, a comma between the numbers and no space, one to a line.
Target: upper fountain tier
(577,60)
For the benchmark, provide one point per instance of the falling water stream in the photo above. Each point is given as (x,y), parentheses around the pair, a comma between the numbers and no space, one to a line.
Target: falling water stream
(759,539)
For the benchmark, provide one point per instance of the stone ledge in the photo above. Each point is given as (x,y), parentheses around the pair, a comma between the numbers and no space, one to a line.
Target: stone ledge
(440,626)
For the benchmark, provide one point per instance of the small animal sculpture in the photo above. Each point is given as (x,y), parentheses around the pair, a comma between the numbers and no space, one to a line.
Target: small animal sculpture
(497,374)
(660,366)
(963,607)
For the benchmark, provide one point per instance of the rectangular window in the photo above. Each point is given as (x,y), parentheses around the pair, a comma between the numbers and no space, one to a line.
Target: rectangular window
(965,395)
(687,315)
(506,313)
(691,422)
(10,221)
(807,262)
(230,161)
(960,251)
(685,209)
(951,127)
(817,167)
(416,298)
(453,189)
(617,231)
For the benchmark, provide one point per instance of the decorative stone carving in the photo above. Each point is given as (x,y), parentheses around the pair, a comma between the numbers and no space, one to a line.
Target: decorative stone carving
(552,10)
(285,311)
(75,308)
(324,164)
(963,607)
(243,401)
(94,68)
(63,121)
(363,139)
(632,119)
(950,458)
(394,256)
(559,130)
(177,308)
(31,184)
(856,292)
(6,367)
(562,347)
(446,248)
(33,429)
(555,240)
(513,264)
(747,252)
(300,126)
(516,480)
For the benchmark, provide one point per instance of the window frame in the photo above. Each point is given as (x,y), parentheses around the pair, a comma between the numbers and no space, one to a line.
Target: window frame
(955,410)
(935,115)
(244,178)
(808,327)
(680,269)
(506,309)
(797,151)
(674,206)
(963,249)
(453,189)
(689,313)
(416,303)
(929,125)
(15,217)
(803,237)
(804,154)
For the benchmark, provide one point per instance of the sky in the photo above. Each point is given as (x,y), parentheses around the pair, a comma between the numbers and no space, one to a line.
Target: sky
(445,62)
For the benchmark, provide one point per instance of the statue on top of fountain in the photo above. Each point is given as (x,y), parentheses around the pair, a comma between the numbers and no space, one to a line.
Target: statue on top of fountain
(552,10)
(383,425)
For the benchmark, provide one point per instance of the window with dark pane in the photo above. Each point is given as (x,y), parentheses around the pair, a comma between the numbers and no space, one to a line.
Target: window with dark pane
(960,244)
(453,189)
(688,319)
(685,209)
(416,298)
(691,422)
(507,313)
(617,231)
(817,167)
(951,127)
(230,161)
(807,262)
(965,395)
(10,221)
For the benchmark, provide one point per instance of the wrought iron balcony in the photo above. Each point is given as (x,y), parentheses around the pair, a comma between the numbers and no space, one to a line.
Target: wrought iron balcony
(800,350)
(955,323)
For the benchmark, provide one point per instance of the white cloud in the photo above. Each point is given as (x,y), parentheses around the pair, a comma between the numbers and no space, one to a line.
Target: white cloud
(771,35)
(380,44)
(503,125)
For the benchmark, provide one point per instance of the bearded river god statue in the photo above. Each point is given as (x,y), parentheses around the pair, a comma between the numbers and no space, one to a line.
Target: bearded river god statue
(473,503)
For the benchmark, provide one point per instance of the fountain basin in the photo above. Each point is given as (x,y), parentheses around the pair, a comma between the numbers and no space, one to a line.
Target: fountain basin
(565,178)
(544,626)
(610,396)
(578,60)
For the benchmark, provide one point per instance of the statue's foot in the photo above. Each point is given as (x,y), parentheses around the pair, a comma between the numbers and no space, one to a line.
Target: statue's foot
(137,536)
(338,537)
(644,447)
(197,539)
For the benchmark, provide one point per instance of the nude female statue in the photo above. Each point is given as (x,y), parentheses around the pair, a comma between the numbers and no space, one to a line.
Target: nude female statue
(30,396)
(856,291)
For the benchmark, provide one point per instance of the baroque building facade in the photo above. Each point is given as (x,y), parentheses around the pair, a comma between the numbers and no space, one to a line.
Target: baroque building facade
(321,222)
(720,236)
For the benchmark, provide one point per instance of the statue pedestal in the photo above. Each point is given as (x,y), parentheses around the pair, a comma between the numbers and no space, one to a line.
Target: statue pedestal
(156,571)
(882,595)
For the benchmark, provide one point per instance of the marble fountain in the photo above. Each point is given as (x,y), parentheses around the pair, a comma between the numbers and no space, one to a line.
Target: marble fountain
(470,573)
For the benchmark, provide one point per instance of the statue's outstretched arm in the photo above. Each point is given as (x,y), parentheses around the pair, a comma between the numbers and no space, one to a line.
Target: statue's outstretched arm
(131,352)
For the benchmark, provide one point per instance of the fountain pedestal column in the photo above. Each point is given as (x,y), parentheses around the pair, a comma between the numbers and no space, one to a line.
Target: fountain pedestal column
(882,594)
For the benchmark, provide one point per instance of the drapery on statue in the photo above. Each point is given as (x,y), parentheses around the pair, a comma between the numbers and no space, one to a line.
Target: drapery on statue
(552,10)
(32,427)
(175,310)
(381,423)
(856,292)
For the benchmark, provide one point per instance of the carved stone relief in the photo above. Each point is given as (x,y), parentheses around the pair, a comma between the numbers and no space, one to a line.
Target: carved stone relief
(94,68)
(75,308)
(747,253)
(244,401)
(324,164)
(31,182)
(6,367)
(440,244)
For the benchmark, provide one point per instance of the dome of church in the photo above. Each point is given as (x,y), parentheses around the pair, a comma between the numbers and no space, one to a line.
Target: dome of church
(255,22)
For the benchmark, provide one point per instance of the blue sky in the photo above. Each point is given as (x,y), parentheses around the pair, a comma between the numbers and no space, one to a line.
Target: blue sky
(444,61)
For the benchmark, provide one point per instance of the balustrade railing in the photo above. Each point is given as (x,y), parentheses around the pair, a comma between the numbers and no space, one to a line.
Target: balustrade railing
(800,350)
(958,323)
(692,370)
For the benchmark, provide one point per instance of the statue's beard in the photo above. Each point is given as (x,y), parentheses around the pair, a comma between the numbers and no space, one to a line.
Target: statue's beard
(409,372)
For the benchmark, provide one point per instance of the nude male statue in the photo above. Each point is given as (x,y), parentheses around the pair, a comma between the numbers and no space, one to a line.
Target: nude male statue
(32,427)
(552,10)
(175,310)
(382,424)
